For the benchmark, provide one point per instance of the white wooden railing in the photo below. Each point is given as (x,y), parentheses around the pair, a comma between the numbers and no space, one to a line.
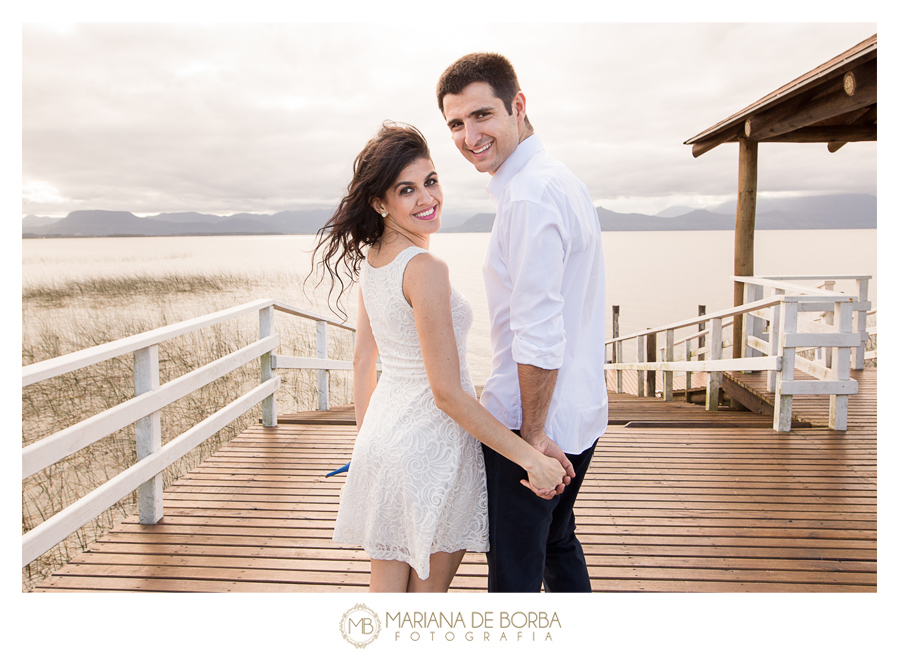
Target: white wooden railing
(773,331)
(144,410)
(872,331)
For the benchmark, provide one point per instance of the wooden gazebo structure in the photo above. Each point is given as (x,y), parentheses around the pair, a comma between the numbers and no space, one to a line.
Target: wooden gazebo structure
(834,103)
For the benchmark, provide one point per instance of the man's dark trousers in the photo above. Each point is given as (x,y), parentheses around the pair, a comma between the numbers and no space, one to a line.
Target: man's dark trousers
(533,539)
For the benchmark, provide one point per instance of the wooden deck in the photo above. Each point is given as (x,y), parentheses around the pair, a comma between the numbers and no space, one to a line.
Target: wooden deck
(676,500)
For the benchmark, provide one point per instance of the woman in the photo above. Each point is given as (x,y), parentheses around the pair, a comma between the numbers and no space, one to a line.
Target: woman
(415,496)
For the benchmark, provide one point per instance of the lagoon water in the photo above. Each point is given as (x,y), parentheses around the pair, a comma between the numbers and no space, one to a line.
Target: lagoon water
(654,277)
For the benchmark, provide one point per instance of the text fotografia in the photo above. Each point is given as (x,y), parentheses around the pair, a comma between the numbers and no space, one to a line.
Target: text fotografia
(477,626)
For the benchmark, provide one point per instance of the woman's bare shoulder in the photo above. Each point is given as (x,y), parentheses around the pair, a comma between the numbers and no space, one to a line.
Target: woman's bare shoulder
(427,265)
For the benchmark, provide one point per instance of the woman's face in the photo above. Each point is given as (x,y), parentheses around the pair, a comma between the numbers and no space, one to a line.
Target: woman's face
(414,201)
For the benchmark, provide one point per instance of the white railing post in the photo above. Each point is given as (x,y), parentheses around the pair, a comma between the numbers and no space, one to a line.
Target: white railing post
(687,374)
(322,353)
(617,358)
(752,293)
(774,341)
(640,373)
(784,403)
(266,366)
(148,434)
(668,375)
(838,404)
(617,348)
(828,320)
(859,353)
(617,351)
(714,379)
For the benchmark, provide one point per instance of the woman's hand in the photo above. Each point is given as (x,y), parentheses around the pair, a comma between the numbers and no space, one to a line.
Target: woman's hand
(545,476)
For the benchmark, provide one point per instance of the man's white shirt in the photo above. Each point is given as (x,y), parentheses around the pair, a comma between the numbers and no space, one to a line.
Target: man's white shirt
(545,285)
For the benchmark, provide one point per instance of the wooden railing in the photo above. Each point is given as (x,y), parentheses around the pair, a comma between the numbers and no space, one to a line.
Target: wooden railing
(144,410)
(773,332)
(872,331)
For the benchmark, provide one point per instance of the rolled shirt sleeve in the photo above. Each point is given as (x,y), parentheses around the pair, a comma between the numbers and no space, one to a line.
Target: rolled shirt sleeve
(537,249)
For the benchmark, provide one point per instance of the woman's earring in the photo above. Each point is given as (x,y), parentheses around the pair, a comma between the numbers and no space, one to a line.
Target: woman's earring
(384,213)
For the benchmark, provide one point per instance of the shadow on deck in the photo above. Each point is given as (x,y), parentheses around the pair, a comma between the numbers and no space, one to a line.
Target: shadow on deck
(676,500)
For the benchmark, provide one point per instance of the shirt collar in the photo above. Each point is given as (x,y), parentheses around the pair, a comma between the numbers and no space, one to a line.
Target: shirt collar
(513,165)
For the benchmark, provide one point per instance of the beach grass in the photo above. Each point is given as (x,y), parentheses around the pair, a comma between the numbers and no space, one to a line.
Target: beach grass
(64,318)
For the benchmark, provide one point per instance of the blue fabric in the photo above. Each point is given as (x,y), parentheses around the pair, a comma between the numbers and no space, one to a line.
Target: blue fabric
(342,469)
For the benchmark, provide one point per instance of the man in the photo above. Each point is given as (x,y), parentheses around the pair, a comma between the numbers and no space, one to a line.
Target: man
(545,290)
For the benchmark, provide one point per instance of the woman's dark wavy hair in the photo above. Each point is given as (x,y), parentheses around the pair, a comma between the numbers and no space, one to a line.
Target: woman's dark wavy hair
(355,224)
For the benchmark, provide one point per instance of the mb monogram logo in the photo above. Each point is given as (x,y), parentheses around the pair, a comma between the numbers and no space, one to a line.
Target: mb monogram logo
(360,626)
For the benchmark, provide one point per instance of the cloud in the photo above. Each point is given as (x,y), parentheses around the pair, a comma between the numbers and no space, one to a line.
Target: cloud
(268,117)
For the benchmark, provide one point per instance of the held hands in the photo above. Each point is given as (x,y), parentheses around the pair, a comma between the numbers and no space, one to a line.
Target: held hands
(545,478)
(555,470)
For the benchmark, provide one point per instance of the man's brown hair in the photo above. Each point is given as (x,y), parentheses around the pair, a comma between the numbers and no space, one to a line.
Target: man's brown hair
(492,68)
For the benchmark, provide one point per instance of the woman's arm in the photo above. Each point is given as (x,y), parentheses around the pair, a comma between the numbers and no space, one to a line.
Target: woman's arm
(365,357)
(426,286)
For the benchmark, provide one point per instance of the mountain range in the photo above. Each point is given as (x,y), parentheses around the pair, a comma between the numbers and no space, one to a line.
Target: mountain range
(838,211)
(833,211)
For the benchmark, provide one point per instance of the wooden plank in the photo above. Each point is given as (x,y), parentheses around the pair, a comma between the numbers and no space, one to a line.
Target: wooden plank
(819,387)
(48,451)
(68,362)
(718,365)
(727,313)
(300,363)
(822,340)
(61,525)
(690,502)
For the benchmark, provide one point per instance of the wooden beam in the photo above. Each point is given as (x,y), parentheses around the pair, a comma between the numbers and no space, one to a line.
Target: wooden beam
(729,135)
(744,230)
(755,124)
(830,134)
(746,396)
(868,116)
(758,122)
(865,93)
(860,78)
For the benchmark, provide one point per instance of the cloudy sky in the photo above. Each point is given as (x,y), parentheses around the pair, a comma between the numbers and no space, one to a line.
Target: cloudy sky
(253,117)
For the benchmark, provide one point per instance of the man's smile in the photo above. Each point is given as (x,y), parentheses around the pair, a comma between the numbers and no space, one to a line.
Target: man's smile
(482,149)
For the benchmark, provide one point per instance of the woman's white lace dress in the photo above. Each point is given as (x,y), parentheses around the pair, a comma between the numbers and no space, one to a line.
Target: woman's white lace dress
(416,483)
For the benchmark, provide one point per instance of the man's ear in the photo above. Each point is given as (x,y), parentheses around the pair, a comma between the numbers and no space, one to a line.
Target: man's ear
(518,105)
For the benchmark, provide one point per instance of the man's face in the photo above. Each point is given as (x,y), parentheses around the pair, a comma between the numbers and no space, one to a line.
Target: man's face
(483,131)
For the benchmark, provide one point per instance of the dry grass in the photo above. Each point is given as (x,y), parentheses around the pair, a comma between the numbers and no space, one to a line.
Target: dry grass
(62,319)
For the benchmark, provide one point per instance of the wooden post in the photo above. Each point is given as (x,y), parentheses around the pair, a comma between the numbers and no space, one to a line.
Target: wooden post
(617,347)
(784,403)
(859,353)
(148,434)
(687,374)
(266,366)
(714,379)
(752,293)
(701,341)
(774,341)
(837,405)
(651,358)
(744,228)
(322,353)
(668,375)
(828,319)
(640,373)
(701,326)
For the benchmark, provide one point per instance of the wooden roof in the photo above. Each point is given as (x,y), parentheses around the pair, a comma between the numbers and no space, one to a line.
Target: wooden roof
(834,103)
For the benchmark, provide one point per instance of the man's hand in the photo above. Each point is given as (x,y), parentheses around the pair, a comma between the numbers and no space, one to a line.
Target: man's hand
(536,386)
(544,444)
